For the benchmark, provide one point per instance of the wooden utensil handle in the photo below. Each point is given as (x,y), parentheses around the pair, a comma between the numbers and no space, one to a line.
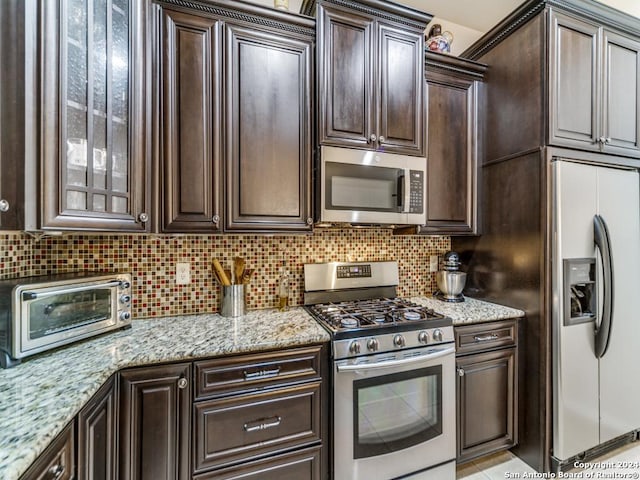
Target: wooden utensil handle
(220,272)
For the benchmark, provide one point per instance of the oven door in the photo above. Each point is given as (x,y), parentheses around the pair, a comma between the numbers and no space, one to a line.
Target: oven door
(394,414)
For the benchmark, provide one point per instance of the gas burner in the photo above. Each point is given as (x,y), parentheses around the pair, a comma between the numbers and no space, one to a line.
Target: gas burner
(411,315)
(348,322)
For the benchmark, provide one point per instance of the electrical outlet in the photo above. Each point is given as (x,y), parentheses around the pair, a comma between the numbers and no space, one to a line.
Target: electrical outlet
(183,273)
(433,263)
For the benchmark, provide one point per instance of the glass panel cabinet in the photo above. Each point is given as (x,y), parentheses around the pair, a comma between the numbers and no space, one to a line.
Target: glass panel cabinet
(93,153)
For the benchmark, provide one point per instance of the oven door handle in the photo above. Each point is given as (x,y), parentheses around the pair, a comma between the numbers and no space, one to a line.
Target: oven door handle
(394,363)
(35,295)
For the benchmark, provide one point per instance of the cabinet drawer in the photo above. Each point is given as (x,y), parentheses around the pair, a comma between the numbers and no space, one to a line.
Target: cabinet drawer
(301,465)
(246,373)
(485,336)
(244,428)
(57,461)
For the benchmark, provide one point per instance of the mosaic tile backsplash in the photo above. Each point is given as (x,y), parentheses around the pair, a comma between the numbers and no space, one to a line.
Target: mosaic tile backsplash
(151,259)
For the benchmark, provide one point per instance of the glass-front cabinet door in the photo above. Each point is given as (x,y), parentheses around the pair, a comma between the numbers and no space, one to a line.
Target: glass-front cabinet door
(93,122)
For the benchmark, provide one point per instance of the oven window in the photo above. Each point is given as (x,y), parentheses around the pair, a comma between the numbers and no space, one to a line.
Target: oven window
(57,313)
(397,411)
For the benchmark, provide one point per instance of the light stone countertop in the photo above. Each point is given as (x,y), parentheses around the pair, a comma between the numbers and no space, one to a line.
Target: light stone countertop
(42,395)
(469,311)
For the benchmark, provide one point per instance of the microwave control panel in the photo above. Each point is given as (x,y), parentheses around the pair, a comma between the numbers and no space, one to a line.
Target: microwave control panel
(416,190)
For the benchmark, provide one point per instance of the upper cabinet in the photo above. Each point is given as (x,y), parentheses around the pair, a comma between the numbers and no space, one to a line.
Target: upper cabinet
(72,110)
(92,139)
(454,94)
(234,126)
(595,87)
(561,74)
(370,75)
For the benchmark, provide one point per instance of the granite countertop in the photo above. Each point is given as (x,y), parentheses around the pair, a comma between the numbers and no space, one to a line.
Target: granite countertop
(469,311)
(41,396)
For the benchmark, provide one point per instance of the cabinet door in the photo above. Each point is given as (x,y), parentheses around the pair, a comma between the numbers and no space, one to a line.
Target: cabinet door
(621,95)
(57,461)
(299,465)
(487,399)
(451,155)
(574,76)
(268,120)
(345,78)
(400,79)
(97,432)
(11,114)
(93,122)
(155,407)
(190,131)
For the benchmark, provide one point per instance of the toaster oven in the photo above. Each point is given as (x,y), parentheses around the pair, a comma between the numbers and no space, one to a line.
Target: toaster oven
(41,313)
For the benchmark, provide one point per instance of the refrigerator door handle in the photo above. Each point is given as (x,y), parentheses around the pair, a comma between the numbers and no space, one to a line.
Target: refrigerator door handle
(601,239)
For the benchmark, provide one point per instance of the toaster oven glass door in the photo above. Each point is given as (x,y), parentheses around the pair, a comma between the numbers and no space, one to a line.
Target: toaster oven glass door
(51,315)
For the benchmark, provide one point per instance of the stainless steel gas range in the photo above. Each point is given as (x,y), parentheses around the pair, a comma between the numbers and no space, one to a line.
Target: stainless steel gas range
(393,365)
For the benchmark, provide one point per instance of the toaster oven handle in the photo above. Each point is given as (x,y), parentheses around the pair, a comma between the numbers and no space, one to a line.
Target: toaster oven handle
(62,291)
(394,363)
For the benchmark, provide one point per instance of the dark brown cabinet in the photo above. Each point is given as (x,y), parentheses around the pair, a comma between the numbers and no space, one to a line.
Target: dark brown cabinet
(97,435)
(155,408)
(234,151)
(370,75)
(57,461)
(268,119)
(487,396)
(595,87)
(261,415)
(92,115)
(190,122)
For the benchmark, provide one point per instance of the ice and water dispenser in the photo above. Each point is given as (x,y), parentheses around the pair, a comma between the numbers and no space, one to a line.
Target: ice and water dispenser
(580,293)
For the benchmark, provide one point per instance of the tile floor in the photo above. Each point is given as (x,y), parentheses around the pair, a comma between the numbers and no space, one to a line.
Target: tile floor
(506,465)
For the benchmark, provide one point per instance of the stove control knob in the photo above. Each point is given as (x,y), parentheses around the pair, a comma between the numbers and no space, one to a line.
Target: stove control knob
(398,341)
(437,335)
(423,337)
(373,344)
(354,347)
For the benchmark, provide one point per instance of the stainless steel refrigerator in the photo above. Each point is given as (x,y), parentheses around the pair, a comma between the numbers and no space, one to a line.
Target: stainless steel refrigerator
(595,325)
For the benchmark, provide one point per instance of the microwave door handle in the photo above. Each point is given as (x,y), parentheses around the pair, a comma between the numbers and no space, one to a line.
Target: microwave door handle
(37,295)
(404,191)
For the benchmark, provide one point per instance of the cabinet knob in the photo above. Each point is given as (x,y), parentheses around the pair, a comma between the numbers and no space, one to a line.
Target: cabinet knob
(309,221)
(4,206)
(602,140)
(56,472)
(607,140)
(143,217)
(215,219)
(460,372)
(373,138)
(182,383)
(381,139)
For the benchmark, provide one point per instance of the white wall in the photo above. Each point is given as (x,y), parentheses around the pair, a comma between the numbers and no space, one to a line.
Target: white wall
(632,7)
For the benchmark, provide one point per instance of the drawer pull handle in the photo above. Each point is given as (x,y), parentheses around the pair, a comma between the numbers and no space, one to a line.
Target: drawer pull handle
(486,338)
(56,472)
(262,424)
(261,374)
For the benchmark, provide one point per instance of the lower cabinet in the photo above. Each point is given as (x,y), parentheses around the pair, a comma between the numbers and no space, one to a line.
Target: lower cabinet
(97,435)
(155,407)
(57,461)
(486,388)
(251,416)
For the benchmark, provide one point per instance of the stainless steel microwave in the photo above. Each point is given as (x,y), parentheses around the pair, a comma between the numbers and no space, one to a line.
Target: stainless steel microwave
(41,313)
(373,188)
